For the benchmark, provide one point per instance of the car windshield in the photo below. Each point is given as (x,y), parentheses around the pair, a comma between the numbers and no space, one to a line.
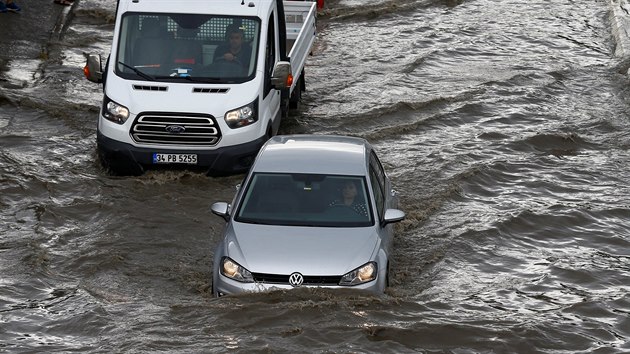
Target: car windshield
(306,200)
(187,48)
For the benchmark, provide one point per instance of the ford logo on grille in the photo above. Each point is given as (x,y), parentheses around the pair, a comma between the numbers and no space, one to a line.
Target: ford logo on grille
(296,279)
(175,129)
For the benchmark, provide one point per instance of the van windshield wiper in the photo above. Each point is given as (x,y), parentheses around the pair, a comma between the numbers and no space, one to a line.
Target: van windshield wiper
(203,79)
(199,79)
(140,73)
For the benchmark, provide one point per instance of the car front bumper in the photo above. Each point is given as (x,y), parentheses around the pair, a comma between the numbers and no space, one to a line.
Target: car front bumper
(225,286)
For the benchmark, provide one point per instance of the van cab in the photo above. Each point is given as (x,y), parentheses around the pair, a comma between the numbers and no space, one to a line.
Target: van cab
(202,84)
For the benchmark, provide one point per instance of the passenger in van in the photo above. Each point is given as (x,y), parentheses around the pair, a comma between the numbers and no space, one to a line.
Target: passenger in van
(234,51)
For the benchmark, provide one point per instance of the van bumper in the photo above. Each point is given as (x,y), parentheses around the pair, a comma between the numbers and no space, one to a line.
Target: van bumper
(222,161)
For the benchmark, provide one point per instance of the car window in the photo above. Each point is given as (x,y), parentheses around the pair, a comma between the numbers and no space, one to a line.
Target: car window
(306,200)
(377,179)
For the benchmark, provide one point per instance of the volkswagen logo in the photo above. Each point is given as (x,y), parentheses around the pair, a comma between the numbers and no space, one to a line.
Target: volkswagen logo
(296,279)
(175,129)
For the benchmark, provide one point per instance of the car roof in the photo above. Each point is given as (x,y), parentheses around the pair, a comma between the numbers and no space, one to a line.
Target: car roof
(322,154)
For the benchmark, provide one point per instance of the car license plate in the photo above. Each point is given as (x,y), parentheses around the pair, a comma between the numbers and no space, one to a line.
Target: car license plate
(175,158)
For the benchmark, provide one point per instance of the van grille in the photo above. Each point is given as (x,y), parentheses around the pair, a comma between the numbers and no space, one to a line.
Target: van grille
(180,129)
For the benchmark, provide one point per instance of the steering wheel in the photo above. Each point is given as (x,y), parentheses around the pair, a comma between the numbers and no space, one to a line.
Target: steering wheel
(342,207)
(229,67)
(234,61)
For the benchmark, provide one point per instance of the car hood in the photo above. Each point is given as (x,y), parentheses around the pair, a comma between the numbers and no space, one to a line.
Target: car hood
(308,250)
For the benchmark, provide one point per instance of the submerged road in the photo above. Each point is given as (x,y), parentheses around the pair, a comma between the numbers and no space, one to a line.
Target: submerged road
(503,125)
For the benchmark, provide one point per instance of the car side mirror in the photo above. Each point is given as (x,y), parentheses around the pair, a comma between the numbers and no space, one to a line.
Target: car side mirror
(392,216)
(93,69)
(221,209)
(282,78)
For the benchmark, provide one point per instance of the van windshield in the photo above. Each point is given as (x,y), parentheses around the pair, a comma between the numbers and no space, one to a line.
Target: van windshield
(187,48)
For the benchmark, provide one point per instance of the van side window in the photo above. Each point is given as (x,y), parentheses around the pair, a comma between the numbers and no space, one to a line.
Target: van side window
(270,53)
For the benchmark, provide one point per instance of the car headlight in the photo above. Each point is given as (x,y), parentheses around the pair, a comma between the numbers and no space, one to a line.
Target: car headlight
(114,112)
(242,116)
(363,274)
(233,270)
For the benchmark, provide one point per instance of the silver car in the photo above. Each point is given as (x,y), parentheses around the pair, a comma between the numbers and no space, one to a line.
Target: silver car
(313,211)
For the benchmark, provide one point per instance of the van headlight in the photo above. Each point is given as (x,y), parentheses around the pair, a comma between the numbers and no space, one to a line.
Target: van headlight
(363,274)
(242,116)
(233,270)
(114,112)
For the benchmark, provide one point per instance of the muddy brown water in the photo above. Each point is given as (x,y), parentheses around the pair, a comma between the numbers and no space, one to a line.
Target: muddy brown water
(504,126)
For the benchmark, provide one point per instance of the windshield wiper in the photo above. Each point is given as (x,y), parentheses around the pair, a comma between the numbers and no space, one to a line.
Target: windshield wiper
(200,79)
(140,73)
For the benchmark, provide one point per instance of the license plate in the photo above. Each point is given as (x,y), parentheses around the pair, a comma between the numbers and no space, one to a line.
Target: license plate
(175,158)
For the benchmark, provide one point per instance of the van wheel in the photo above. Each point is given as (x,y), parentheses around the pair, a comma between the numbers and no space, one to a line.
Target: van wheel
(387,282)
(120,166)
(284,108)
(296,96)
(294,102)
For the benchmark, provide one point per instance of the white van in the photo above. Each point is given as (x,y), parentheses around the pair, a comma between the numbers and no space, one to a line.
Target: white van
(181,87)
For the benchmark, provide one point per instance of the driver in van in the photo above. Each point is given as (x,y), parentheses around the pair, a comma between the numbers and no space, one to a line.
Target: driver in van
(234,51)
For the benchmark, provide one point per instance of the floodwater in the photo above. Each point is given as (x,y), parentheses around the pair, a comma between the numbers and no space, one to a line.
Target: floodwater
(504,126)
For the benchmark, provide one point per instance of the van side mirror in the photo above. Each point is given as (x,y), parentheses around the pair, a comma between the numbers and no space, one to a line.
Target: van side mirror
(93,69)
(282,78)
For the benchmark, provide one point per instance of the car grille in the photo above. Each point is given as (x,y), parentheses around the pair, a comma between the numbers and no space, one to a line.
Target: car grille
(308,279)
(180,129)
